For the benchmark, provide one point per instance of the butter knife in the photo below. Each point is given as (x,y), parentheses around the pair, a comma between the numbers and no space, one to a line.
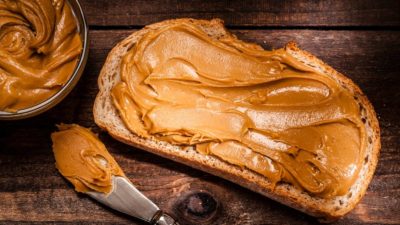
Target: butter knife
(125,198)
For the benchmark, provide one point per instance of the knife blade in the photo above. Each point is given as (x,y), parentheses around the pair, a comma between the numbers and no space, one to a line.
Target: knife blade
(125,198)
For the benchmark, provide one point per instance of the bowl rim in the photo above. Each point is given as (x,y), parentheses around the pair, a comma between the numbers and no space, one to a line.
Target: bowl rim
(49,103)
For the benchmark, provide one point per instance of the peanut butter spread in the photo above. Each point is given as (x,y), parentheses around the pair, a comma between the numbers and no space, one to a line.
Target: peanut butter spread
(257,109)
(83,159)
(39,49)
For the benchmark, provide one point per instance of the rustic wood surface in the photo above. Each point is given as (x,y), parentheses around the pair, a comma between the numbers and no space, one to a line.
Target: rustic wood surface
(247,13)
(359,38)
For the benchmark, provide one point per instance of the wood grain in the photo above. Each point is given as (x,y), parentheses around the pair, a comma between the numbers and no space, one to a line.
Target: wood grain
(247,13)
(32,191)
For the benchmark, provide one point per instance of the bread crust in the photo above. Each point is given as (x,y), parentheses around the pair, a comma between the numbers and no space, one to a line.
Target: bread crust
(107,118)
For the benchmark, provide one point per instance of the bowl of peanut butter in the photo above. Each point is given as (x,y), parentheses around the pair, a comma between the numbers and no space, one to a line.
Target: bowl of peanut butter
(43,51)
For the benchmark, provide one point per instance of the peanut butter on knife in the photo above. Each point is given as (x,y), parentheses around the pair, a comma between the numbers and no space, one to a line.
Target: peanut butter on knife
(83,159)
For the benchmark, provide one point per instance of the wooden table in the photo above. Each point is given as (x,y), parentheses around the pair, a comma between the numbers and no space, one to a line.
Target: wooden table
(359,38)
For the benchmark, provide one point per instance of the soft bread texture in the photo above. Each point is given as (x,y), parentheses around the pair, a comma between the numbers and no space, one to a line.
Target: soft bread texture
(106,116)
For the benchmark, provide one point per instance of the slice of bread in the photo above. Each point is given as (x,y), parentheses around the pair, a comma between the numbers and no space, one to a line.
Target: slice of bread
(106,116)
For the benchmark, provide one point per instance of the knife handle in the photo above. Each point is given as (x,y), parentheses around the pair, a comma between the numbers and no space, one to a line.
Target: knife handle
(162,218)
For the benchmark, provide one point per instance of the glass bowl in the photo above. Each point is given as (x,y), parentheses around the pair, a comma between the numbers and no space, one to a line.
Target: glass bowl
(72,81)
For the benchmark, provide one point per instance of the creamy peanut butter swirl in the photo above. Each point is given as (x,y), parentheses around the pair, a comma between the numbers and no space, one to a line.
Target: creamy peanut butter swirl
(262,110)
(83,159)
(39,49)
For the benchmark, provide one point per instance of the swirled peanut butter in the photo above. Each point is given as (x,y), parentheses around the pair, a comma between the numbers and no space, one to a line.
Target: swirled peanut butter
(257,109)
(83,159)
(39,49)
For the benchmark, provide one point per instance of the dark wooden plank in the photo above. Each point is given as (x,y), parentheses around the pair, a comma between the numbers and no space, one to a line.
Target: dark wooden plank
(31,190)
(246,13)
